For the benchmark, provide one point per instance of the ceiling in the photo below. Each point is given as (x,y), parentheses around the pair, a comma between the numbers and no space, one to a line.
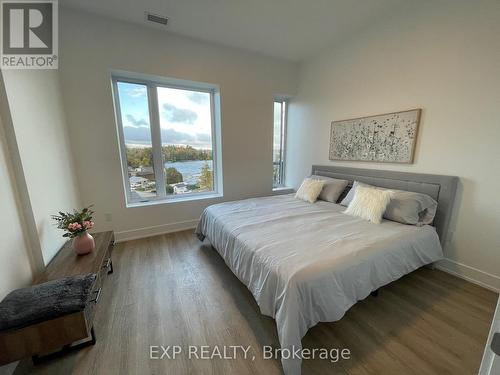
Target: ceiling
(289,29)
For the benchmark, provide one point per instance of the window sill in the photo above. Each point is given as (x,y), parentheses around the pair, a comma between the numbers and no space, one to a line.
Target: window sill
(283,190)
(179,199)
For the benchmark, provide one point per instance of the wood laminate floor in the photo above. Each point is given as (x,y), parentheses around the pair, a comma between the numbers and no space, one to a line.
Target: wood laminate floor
(173,290)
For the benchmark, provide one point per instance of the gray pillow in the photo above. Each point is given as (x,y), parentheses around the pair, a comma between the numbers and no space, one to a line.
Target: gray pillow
(406,207)
(331,189)
(350,195)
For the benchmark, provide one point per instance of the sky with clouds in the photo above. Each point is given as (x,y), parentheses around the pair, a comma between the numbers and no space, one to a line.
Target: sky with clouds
(185,117)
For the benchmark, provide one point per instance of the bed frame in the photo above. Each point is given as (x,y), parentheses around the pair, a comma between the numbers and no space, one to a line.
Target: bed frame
(441,188)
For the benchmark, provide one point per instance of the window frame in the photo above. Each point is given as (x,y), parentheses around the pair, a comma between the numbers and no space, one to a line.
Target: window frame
(152,83)
(284,118)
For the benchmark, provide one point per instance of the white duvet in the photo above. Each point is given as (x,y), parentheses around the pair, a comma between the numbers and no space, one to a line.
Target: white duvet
(307,263)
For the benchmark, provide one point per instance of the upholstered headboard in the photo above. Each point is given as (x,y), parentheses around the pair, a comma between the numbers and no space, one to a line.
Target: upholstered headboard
(441,188)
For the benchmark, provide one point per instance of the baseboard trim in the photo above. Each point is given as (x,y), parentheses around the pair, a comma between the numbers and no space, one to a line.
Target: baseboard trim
(135,234)
(481,278)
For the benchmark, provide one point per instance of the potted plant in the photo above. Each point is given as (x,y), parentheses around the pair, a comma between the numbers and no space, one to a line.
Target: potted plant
(77,224)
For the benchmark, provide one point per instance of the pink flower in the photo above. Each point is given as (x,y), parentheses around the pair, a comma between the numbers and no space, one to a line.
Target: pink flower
(88,224)
(74,226)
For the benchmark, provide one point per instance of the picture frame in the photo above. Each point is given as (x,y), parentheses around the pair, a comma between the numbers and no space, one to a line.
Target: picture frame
(384,138)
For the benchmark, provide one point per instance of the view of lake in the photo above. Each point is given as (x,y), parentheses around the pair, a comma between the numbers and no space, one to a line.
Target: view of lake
(190,170)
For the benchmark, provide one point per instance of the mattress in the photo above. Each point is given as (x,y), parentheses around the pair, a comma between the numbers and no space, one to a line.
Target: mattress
(307,263)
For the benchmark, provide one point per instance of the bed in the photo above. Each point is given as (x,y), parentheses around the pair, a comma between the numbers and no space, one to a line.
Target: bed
(307,263)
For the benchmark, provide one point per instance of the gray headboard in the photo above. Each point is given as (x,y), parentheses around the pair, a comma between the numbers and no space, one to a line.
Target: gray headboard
(441,188)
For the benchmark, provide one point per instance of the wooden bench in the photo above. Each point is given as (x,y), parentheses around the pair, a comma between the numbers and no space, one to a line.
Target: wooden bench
(50,338)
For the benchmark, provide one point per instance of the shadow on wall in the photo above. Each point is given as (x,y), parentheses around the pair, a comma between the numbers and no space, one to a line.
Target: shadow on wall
(449,248)
(489,222)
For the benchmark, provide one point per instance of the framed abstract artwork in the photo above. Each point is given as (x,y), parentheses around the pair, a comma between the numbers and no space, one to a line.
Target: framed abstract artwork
(386,138)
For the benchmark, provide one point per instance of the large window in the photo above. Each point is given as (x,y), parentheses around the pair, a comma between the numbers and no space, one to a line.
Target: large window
(168,131)
(280,108)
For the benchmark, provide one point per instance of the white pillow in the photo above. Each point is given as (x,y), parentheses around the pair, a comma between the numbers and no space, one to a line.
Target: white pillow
(309,190)
(369,203)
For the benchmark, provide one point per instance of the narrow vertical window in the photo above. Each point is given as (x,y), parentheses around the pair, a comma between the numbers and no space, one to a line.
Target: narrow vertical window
(137,140)
(279,143)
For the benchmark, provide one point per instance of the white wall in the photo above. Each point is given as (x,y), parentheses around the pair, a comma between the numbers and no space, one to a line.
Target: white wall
(39,126)
(15,268)
(443,57)
(15,264)
(91,46)
(36,172)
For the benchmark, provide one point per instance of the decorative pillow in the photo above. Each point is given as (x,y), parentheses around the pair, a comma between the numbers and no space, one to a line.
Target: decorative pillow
(331,189)
(406,207)
(348,198)
(369,203)
(310,190)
